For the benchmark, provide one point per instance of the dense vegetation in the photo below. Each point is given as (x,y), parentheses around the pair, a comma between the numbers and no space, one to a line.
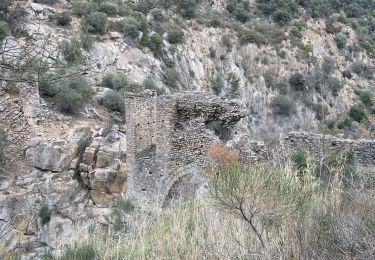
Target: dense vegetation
(307,208)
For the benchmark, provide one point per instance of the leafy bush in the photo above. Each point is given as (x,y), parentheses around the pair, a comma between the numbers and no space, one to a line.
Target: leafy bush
(109,8)
(282,17)
(328,66)
(96,23)
(149,83)
(4,30)
(129,26)
(114,101)
(297,82)
(45,215)
(226,40)
(300,160)
(241,14)
(46,87)
(358,67)
(72,94)
(367,98)
(175,36)
(3,144)
(187,8)
(270,79)
(357,113)
(335,85)
(115,81)
(340,40)
(283,105)
(83,7)
(71,50)
(212,52)
(252,36)
(63,19)
(218,84)
(172,78)
(83,143)
(87,41)
(155,43)
(135,88)
(158,15)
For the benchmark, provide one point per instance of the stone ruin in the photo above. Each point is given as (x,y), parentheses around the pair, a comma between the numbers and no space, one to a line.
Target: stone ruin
(168,138)
(316,144)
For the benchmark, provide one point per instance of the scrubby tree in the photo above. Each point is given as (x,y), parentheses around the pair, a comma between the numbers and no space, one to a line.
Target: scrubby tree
(283,105)
(357,113)
(297,81)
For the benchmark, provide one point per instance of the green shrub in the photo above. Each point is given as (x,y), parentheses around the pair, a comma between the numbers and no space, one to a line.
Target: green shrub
(270,79)
(3,144)
(83,7)
(87,41)
(341,41)
(187,8)
(297,82)
(283,105)
(71,50)
(4,30)
(367,98)
(114,101)
(252,36)
(175,36)
(241,14)
(335,85)
(45,215)
(129,26)
(149,83)
(115,81)
(63,19)
(158,15)
(218,84)
(358,67)
(328,66)
(155,43)
(226,40)
(46,87)
(212,52)
(78,252)
(357,113)
(135,88)
(109,8)
(83,143)
(72,94)
(172,78)
(96,23)
(300,160)
(282,17)
(119,212)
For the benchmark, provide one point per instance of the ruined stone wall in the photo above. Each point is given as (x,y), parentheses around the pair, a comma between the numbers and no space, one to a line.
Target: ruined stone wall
(168,138)
(317,144)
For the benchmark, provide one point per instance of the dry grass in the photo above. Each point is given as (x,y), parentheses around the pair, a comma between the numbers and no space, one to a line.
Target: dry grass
(256,212)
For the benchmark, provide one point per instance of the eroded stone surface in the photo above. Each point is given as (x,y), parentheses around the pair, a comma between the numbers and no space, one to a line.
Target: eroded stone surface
(168,137)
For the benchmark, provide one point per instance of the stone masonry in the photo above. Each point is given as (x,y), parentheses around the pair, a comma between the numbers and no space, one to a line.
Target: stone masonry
(168,138)
(363,150)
